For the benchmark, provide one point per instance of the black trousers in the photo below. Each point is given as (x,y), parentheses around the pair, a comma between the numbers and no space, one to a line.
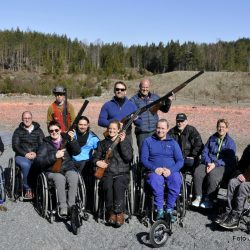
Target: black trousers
(114,188)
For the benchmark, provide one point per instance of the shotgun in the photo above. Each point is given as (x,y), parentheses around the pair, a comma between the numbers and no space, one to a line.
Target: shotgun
(157,104)
(100,171)
(57,165)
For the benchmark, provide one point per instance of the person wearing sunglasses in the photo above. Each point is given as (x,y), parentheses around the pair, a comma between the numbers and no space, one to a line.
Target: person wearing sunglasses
(48,153)
(61,110)
(149,119)
(25,142)
(116,176)
(118,108)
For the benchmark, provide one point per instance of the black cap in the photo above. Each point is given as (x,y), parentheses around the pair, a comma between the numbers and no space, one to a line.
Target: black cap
(181,117)
(59,89)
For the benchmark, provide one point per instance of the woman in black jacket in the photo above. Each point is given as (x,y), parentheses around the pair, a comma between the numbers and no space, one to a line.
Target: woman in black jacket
(116,176)
(48,153)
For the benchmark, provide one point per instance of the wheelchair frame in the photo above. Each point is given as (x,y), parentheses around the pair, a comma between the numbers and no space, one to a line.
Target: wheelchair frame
(99,200)
(2,185)
(47,200)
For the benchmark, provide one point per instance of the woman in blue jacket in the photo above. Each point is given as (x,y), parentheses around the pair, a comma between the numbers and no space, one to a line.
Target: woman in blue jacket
(218,161)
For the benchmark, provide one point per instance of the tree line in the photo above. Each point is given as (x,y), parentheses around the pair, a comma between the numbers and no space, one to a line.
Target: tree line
(54,54)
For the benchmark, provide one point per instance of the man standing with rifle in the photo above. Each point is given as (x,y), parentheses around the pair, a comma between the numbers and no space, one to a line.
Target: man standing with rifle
(61,110)
(118,108)
(149,119)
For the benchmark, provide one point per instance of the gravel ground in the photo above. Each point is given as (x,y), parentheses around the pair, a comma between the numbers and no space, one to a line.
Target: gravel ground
(22,228)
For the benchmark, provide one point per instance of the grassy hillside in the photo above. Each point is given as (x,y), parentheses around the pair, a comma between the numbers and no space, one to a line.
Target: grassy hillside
(210,87)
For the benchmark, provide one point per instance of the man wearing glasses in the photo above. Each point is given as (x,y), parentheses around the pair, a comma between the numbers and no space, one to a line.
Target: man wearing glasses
(189,141)
(25,142)
(118,108)
(149,119)
(60,110)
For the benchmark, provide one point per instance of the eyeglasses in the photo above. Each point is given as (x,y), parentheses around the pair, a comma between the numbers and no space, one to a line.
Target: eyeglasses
(27,118)
(59,94)
(54,130)
(178,121)
(118,89)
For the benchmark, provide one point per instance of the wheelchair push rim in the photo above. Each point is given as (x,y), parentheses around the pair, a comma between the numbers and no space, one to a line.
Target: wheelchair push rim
(159,233)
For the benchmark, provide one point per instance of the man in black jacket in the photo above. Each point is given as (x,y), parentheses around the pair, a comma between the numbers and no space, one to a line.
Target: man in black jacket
(189,141)
(25,142)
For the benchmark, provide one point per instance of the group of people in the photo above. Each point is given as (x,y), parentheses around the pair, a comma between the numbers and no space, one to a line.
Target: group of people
(163,153)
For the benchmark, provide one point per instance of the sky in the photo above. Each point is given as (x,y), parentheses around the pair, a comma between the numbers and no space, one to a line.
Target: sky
(131,22)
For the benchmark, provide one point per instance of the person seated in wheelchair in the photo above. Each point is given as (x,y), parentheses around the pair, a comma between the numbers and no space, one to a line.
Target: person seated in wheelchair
(116,175)
(49,153)
(25,142)
(189,140)
(162,156)
(88,142)
(237,193)
(218,161)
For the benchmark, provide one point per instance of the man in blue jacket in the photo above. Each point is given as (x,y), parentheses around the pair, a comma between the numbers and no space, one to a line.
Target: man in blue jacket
(218,161)
(118,108)
(149,119)
(162,156)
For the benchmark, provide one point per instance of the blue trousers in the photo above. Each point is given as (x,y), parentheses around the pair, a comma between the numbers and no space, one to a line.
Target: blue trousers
(158,182)
(25,165)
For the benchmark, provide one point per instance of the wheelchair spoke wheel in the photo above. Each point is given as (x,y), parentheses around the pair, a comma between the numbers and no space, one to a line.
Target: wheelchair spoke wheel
(42,195)
(75,220)
(132,192)
(81,193)
(2,185)
(159,233)
(96,198)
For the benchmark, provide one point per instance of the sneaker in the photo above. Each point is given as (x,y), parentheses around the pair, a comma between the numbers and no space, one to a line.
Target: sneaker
(120,219)
(232,221)
(171,215)
(197,201)
(221,218)
(112,219)
(64,211)
(207,204)
(160,214)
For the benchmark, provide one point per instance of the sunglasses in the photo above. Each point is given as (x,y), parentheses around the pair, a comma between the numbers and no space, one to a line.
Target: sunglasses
(118,89)
(59,94)
(54,130)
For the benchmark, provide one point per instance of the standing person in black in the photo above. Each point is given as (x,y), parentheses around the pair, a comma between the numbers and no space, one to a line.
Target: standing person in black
(189,141)
(116,175)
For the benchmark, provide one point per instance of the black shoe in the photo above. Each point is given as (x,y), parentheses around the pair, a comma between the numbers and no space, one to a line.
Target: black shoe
(232,221)
(221,218)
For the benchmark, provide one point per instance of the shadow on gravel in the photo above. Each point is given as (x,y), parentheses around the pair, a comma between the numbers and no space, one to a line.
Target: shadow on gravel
(143,238)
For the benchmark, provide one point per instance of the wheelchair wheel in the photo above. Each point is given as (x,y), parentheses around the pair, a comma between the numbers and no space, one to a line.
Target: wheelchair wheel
(75,220)
(81,193)
(131,192)
(42,195)
(12,174)
(159,233)
(2,185)
(96,196)
(182,200)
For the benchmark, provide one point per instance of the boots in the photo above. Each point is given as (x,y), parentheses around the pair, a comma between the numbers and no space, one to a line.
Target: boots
(112,219)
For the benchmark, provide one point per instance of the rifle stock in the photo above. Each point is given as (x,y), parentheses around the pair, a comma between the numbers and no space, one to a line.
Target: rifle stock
(56,168)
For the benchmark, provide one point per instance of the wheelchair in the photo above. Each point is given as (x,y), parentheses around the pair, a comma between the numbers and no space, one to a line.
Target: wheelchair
(47,204)
(15,181)
(2,185)
(99,200)
(160,229)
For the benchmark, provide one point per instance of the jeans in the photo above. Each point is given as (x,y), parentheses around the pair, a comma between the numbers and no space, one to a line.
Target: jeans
(25,165)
